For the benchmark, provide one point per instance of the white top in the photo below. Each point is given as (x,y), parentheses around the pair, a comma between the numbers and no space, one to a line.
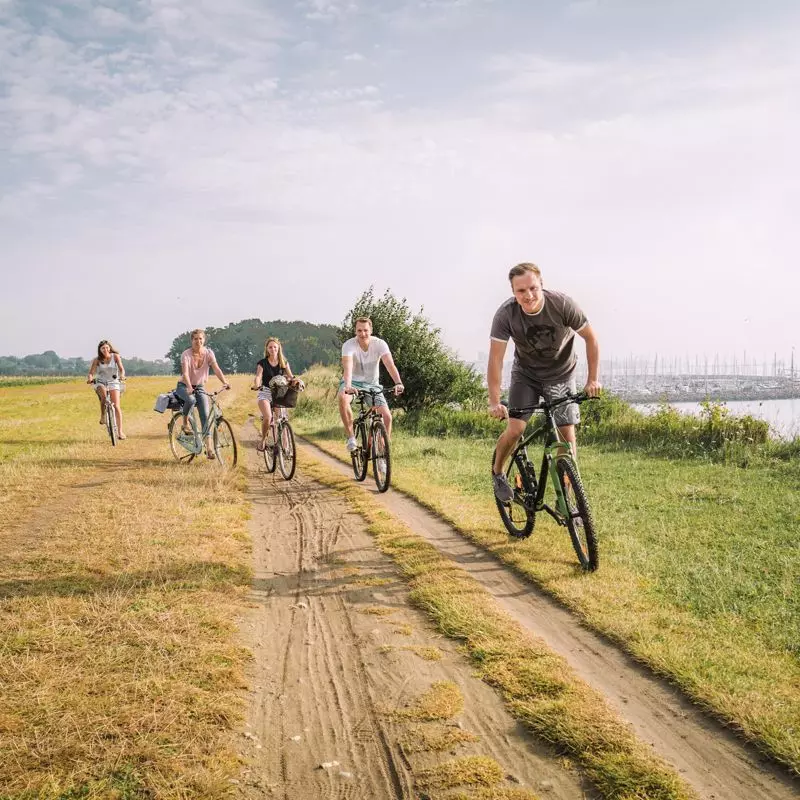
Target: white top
(108,372)
(366,362)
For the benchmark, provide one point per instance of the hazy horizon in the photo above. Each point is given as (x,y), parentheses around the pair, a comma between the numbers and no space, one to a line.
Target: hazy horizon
(169,165)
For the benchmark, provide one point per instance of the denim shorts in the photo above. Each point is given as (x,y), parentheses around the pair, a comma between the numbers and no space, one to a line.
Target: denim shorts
(380,399)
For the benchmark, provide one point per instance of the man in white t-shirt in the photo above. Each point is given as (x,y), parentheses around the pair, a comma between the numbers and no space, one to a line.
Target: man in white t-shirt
(361,358)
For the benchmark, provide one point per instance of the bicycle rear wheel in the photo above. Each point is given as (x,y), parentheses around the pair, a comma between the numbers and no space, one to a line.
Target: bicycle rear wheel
(580,522)
(225,444)
(517,515)
(111,424)
(360,455)
(287,455)
(381,457)
(182,444)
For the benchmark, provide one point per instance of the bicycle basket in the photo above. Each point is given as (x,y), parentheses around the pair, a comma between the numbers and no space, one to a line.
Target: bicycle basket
(287,400)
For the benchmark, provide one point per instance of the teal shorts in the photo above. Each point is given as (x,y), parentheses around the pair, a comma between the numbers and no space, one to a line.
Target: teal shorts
(379,400)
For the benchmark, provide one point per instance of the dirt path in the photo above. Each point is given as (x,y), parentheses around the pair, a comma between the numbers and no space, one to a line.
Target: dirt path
(339,652)
(709,757)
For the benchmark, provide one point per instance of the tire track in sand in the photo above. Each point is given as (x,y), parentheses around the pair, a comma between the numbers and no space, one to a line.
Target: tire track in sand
(325,672)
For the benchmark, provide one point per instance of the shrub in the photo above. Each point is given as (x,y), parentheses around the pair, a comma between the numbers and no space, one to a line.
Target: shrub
(432,374)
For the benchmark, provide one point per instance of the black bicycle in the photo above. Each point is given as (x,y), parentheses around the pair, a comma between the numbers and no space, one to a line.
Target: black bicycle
(372,441)
(572,508)
(279,449)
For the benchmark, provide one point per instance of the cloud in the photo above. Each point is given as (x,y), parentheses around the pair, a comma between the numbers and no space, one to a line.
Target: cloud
(194,135)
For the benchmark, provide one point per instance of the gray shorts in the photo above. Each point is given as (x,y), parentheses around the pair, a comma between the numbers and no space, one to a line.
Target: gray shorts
(526,392)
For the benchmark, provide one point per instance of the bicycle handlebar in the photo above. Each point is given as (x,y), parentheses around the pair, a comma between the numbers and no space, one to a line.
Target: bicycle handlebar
(544,405)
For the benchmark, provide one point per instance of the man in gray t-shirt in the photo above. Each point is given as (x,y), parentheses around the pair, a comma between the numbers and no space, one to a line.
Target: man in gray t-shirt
(542,324)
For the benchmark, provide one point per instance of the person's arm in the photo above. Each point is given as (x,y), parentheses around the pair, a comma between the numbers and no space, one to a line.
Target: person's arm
(388,362)
(593,384)
(494,375)
(289,375)
(347,372)
(92,368)
(257,379)
(185,373)
(218,373)
(120,366)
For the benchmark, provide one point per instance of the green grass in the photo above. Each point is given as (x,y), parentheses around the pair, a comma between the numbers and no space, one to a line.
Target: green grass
(699,563)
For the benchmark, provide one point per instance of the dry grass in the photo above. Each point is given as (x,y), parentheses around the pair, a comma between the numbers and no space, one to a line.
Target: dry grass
(442,701)
(377,611)
(488,793)
(538,686)
(120,574)
(463,771)
(425,653)
(433,737)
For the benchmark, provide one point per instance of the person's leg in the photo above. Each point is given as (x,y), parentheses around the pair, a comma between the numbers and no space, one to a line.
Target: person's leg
(101,396)
(566,416)
(266,419)
(507,442)
(189,402)
(382,408)
(346,412)
(523,393)
(115,399)
(202,410)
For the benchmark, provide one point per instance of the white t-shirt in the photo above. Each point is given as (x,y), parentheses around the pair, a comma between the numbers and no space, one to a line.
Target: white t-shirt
(366,362)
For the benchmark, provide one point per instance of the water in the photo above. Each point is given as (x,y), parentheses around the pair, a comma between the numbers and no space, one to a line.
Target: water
(782,415)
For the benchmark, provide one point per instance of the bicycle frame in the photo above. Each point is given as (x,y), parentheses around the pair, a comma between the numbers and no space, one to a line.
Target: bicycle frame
(366,413)
(553,449)
(214,414)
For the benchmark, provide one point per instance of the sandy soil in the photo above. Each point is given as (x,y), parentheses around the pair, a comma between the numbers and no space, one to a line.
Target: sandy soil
(329,674)
(709,757)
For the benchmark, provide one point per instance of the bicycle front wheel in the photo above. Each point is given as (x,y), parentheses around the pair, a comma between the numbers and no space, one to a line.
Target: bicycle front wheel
(580,522)
(111,424)
(381,457)
(183,445)
(225,444)
(517,514)
(360,455)
(287,455)
(270,461)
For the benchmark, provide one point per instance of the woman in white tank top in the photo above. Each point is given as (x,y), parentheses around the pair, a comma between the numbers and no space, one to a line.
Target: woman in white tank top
(107,373)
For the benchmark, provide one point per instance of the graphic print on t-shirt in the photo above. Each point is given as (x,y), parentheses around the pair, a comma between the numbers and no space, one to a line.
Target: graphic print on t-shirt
(542,338)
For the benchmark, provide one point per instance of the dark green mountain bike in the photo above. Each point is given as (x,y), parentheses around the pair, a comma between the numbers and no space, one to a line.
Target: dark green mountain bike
(572,508)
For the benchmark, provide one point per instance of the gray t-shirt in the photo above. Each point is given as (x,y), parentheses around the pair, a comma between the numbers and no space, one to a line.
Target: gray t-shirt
(544,342)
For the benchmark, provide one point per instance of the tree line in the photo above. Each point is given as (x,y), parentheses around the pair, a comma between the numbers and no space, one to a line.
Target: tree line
(50,363)
(239,345)
(432,374)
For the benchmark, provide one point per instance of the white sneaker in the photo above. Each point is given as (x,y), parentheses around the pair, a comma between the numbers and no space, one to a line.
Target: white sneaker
(350,444)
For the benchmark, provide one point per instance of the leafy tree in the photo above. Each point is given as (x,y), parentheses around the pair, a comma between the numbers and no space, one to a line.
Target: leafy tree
(432,374)
(239,345)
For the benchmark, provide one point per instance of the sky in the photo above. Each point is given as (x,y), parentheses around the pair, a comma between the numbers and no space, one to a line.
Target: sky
(167,164)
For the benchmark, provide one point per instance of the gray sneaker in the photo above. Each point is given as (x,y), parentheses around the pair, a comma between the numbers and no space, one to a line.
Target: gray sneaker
(502,488)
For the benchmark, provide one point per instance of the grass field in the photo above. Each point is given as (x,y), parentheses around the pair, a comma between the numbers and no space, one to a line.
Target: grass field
(699,562)
(120,574)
